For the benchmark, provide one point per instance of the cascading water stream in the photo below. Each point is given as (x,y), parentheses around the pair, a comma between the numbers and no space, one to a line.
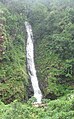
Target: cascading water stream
(30,63)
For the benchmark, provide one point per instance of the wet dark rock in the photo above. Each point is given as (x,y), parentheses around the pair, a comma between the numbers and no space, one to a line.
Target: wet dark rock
(51,96)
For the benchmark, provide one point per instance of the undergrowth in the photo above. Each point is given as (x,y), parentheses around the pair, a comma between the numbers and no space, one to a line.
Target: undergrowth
(62,108)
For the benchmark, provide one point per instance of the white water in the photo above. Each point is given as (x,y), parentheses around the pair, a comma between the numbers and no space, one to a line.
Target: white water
(30,63)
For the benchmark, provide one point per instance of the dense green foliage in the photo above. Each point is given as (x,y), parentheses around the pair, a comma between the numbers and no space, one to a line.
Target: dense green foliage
(13,76)
(58,109)
(53,28)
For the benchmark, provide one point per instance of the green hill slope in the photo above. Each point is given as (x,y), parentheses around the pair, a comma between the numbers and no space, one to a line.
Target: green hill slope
(13,76)
(53,28)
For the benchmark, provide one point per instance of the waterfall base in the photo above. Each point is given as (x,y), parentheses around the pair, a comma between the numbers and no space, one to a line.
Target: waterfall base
(39,104)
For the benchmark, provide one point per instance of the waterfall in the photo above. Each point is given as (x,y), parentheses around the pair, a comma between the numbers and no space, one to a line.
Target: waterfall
(31,64)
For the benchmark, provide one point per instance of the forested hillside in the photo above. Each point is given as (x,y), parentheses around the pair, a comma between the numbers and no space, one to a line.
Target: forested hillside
(53,26)
(52,22)
(13,76)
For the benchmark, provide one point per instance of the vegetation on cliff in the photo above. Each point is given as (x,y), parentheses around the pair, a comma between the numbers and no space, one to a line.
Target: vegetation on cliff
(53,28)
(13,76)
